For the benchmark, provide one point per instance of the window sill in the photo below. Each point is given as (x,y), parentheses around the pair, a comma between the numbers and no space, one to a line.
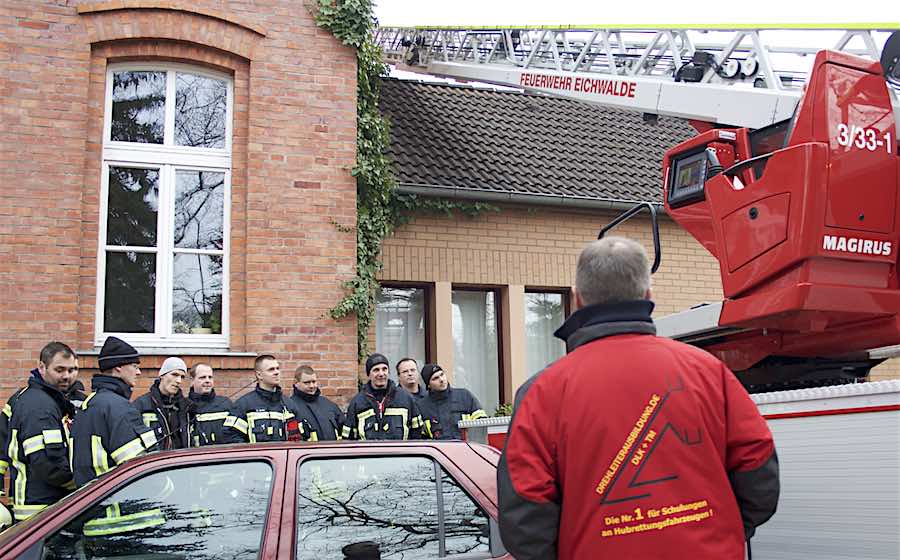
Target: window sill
(170,351)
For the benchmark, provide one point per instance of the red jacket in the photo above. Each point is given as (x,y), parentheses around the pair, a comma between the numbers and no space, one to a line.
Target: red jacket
(634,446)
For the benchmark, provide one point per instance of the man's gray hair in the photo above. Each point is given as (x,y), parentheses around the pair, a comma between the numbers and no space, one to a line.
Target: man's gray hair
(611,270)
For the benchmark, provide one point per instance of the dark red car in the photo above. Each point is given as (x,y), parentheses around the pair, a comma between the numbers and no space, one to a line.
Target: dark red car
(401,500)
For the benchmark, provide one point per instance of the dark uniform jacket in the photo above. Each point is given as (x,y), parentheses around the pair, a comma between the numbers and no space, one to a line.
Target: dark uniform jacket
(108,431)
(420,395)
(322,419)
(210,413)
(390,413)
(38,449)
(169,417)
(633,446)
(5,415)
(261,416)
(442,411)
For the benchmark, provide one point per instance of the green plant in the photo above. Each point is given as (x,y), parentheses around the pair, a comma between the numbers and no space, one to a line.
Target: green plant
(504,409)
(380,208)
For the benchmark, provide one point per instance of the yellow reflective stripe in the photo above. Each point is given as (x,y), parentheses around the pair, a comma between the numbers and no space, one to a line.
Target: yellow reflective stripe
(416,422)
(345,432)
(7,410)
(269,415)
(124,523)
(98,456)
(478,414)
(4,466)
(149,418)
(87,399)
(21,475)
(33,444)
(428,429)
(404,414)
(52,436)
(313,436)
(128,451)
(212,416)
(148,439)
(24,511)
(238,424)
(361,423)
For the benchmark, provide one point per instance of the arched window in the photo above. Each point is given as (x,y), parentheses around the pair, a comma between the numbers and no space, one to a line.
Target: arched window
(165,196)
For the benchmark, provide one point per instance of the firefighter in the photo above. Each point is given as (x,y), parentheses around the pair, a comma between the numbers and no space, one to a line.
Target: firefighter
(210,410)
(76,394)
(322,419)
(108,431)
(632,445)
(5,415)
(164,409)
(381,410)
(445,406)
(264,414)
(38,450)
(408,378)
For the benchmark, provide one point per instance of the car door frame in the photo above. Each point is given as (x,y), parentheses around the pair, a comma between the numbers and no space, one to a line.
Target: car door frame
(58,515)
(297,456)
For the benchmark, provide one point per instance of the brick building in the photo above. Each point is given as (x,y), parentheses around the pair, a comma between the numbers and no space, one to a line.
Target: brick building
(482,296)
(170,172)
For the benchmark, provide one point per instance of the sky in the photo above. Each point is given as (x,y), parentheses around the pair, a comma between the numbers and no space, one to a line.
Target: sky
(653,13)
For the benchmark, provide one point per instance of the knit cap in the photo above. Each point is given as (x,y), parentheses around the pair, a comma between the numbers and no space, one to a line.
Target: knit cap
(374,360)
(429,371)
(116,352)
(172,364)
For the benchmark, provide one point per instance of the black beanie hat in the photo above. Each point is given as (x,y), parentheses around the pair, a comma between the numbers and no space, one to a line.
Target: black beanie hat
(429,371)
(116,352)
(374,360)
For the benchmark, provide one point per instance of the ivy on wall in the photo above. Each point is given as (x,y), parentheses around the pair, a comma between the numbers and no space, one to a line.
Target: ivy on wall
(380,207)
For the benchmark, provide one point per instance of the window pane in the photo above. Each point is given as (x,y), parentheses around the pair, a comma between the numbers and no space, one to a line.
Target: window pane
(201,512)
(388,501)
(400,324)
(466,525)
(199,209)
(200,108)
(544,313)
(133,207)
(138,107)
(197,294)
(475,357)
(130,304)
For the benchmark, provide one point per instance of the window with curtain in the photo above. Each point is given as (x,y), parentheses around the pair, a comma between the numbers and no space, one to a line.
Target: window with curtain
(401,324)
(544,313)
(476,357)
(163,262)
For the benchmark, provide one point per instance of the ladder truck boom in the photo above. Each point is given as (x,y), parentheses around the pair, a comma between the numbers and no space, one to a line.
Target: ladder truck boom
(733,80)
(793,183)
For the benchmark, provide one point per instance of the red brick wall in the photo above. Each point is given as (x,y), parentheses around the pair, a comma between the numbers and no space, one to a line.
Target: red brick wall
(293,148)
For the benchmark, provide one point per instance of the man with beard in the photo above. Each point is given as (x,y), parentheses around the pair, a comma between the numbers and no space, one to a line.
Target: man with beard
(210,410)
(381,410)
(39,471)
(322,419)
(165,409)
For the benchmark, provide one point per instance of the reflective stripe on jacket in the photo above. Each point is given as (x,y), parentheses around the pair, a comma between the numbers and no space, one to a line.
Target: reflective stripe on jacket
(442,411)
(108,431)
(39,472)
(210,413)
(393,416)
(170,418)
(261,416)
(633,446)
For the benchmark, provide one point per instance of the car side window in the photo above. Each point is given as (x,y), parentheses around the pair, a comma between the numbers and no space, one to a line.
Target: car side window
(402,508)
(209,511)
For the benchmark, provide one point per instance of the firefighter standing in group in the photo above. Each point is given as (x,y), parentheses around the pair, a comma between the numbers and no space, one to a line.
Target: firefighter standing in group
(381,410)
(37,444)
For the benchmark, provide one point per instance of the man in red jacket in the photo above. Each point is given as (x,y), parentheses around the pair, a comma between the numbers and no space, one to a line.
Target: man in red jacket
(632,446)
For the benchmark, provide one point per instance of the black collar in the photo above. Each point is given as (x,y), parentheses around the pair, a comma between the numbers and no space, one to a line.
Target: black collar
(306,396)
(606,319)
(37,381)
(197,397)
(273,396)
(111,383)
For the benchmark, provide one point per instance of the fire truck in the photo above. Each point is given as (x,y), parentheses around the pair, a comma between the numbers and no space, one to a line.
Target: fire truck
(792,185)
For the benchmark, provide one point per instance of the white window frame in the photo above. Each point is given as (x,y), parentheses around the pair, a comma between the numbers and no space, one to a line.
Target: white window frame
(168,158)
